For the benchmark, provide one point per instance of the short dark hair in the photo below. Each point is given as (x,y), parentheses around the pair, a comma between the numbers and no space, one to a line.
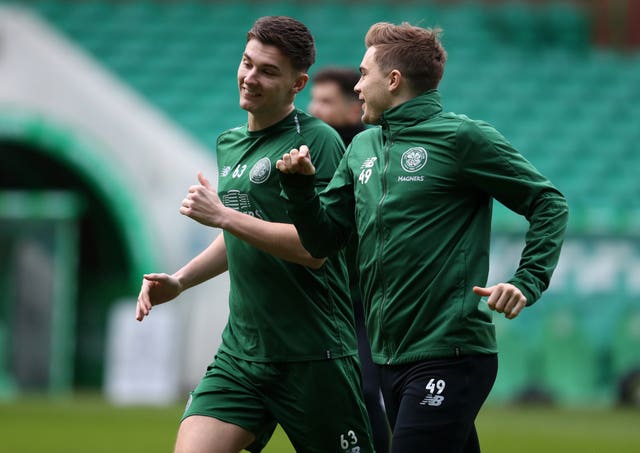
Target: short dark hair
(292,37)
(345,78)
(416,52)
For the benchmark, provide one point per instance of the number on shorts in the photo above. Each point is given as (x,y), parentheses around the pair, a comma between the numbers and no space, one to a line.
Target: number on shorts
(436,386)
(348,440)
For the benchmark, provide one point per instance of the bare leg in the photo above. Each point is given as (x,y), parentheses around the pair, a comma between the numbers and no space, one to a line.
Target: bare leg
(200,434)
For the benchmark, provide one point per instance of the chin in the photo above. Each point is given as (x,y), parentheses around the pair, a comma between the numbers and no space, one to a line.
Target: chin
(367,119)
(246,105)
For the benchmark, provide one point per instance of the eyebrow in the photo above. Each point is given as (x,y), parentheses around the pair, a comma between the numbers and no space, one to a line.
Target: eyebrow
(264,66)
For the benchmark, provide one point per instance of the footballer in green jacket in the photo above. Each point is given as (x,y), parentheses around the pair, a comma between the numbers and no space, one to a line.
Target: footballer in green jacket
(418,191)
(423,185)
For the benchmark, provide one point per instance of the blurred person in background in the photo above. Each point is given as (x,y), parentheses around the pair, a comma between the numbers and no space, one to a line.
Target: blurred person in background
(334,101)
(288,351)
(418,191)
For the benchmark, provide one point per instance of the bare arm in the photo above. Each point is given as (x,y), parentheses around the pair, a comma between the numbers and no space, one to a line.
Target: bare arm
(160,288)
(278,239)
(208,264)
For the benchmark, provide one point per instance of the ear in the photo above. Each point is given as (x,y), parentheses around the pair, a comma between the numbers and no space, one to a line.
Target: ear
(300,83)
(395,79)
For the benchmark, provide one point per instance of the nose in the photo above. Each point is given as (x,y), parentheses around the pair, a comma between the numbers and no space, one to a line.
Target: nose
(356,88)
(250,76)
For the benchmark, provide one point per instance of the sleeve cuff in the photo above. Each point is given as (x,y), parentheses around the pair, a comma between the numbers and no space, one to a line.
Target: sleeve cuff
(296,187)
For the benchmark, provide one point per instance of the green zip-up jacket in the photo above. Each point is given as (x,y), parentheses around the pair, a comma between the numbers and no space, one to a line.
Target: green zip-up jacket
(419,190)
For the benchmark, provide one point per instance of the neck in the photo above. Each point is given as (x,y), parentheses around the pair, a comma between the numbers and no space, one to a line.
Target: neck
(402,98)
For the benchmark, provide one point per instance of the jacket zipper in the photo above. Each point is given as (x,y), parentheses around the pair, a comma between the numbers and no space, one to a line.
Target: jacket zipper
(381,242)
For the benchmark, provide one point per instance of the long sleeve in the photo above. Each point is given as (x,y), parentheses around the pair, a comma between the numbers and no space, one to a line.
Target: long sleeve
(324,221)
(492,164)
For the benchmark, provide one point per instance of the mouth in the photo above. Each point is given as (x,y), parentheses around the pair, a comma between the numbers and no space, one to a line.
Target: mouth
(247,93)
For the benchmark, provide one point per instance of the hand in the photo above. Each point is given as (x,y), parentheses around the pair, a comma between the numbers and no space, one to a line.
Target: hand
(297,161)
(156,289)
(503,298)
(202,204)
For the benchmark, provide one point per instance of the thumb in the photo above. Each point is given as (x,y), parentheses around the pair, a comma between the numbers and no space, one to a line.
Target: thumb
(480,291)
(204,181)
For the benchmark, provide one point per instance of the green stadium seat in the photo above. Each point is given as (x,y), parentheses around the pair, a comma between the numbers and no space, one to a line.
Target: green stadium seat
(566,25)
(625,344)
(517,359)
(569,361)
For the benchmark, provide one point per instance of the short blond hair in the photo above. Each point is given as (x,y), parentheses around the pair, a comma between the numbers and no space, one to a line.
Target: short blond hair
(414,51)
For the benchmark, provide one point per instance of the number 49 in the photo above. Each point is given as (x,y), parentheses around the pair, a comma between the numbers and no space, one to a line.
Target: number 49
(434,386)
(365,174)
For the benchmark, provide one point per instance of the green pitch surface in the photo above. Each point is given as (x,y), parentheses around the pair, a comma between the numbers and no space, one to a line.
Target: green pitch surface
(88,424)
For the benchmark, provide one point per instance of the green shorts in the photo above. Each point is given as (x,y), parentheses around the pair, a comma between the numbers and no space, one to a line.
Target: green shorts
(319,404)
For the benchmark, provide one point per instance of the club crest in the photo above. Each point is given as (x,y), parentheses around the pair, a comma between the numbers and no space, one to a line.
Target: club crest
(413,159)
(260,171)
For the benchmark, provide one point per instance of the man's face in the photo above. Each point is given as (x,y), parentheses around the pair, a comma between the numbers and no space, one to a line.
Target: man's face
(330,105)
(373,88)
(267,81)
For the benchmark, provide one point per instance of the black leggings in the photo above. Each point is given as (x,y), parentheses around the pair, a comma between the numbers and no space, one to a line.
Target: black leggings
(432,404)
(370,383)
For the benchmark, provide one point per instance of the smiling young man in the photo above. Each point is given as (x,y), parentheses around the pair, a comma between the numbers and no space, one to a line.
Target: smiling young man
(418,191)
(288,352)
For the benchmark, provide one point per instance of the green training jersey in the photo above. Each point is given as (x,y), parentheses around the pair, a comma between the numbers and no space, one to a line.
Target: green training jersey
(280,311)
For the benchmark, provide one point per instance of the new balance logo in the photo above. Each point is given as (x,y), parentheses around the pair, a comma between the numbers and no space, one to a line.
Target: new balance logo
(432,400)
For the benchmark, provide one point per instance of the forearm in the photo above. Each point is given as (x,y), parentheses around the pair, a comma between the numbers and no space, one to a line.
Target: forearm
(277,239)
(208,264)
(543,242)
(321,234)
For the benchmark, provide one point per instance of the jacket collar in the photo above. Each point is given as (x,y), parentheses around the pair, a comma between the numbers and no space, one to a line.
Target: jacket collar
(411,112)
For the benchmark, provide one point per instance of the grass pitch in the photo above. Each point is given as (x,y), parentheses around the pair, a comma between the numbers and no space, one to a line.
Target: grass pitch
(89,424)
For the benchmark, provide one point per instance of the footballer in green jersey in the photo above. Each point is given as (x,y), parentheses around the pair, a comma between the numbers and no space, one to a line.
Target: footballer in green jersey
(288,352)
